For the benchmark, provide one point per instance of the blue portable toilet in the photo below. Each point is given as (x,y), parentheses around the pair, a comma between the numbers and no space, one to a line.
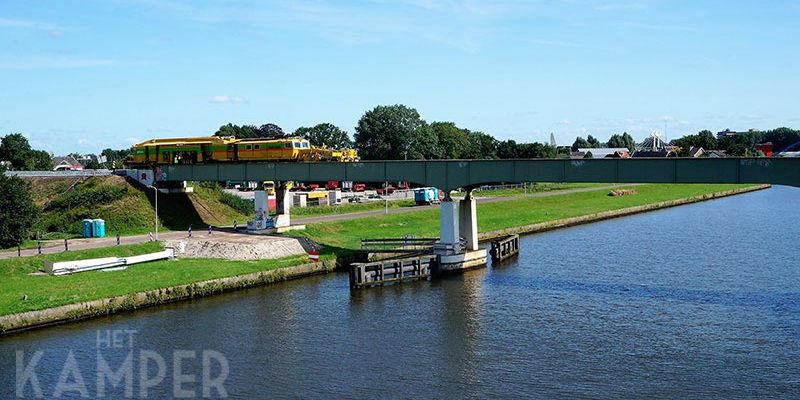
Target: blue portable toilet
(99,227)
(87,228)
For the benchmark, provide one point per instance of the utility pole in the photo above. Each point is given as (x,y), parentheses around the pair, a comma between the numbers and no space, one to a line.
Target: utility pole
(155,190)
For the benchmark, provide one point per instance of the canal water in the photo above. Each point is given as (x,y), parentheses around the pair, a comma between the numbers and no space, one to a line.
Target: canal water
(699,301)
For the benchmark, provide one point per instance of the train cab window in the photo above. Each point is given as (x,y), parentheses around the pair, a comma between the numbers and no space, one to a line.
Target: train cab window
(248,147)
(287,145)
(296,145)
(165,156)
(256,146)
(305,145)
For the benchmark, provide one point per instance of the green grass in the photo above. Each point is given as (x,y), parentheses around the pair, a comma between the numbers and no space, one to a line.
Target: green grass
(45,291)
(536,188)
(500,215)
(380,205)
(350,208)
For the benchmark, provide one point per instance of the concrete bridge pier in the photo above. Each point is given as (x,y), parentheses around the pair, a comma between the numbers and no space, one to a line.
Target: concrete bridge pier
(457,248)
(263,223)
(283,203)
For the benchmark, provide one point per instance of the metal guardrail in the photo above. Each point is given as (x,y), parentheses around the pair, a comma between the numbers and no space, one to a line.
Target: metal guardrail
(398,245)
(59,174)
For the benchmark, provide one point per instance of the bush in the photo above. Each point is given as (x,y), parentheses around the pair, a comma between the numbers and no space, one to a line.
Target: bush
(17,211)
(87,196)
(235,202)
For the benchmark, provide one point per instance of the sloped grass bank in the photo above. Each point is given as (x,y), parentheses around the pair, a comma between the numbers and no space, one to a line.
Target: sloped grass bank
(127,208)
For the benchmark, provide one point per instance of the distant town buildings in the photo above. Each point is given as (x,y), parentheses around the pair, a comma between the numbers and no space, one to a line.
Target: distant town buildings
(729,133)
(602,152)
(653,146)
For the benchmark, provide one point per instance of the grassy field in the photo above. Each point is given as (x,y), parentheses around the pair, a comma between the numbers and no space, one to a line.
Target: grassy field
(347,208)
(380,205)
(45,291)
(535,188)
(500,215)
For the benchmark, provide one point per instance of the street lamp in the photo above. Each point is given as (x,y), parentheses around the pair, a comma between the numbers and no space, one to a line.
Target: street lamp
(156,216)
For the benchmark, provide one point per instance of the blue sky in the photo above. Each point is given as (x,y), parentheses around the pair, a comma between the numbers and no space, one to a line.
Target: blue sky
(83,75)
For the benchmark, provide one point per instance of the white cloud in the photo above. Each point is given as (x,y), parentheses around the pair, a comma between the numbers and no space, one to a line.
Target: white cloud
(225,99)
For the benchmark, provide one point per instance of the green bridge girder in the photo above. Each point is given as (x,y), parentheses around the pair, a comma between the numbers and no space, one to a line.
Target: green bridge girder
(454,174)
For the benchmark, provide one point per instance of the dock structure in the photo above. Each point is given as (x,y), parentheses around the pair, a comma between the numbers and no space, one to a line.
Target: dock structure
(390,271)
(506,248)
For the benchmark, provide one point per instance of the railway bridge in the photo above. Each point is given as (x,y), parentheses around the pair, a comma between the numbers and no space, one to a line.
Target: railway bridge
(459,219)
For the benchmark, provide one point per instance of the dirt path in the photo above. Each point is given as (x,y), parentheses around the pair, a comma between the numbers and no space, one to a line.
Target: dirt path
(57,246)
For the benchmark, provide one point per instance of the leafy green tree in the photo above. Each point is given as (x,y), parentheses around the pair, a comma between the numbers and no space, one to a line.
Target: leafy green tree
(452,141)
(782,137)
(240,132)
(593,142)
(484,145)
(15,149)
(625,140)
(17,211)
(580,143)
(271,131)
(325,134)
(39,160)
(92,164)
(392,132)
(588,155)
(507,149)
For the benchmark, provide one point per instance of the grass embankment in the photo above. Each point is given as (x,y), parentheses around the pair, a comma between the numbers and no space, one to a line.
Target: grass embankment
(46,291)
(533,188)
(347,208)
(502,215)
(127,208)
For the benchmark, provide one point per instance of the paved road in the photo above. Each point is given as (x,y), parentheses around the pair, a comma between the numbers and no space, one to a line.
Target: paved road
(57,246)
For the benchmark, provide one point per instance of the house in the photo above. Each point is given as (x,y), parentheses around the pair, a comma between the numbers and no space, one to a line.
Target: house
(654,154)
(717,154)
(696,151)
(66,163)
(87,158)
(765,148)
(602,152)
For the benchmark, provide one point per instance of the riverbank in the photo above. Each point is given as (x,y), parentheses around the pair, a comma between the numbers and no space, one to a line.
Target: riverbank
(28,300)
(517,213)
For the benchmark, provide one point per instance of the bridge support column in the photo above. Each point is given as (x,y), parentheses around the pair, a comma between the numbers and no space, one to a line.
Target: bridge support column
(448,224)
(283,203)
(468,221)
(458,220)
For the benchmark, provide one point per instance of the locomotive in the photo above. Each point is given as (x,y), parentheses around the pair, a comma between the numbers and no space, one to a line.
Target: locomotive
(213,149)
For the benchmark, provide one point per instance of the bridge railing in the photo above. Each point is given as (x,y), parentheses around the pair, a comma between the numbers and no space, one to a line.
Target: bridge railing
(398,245)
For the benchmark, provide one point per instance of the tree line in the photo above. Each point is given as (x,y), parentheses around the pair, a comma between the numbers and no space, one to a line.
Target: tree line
(742,144)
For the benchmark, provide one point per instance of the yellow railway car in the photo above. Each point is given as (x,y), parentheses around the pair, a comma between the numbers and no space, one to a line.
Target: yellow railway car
(229,149)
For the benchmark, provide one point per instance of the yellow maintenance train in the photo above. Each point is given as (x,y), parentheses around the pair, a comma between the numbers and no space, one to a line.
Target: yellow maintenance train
(213,149)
